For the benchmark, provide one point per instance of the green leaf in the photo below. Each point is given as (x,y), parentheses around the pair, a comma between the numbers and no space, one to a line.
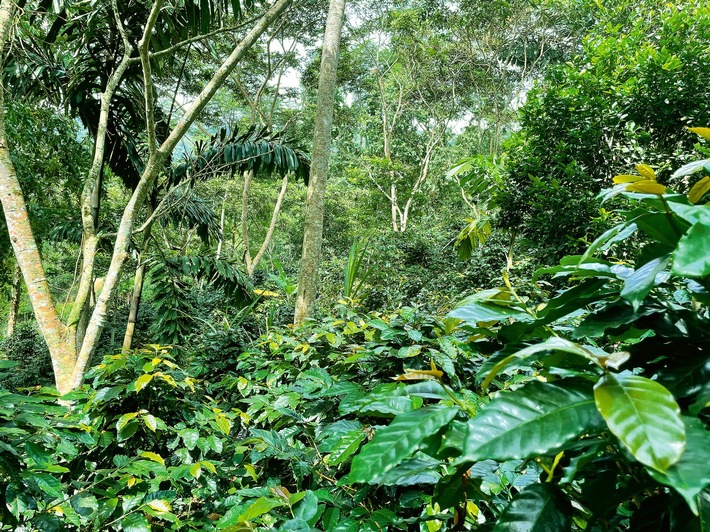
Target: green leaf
(691,257)
(398,441)
(84,504)
(135,522)
(124,419)
(644,416)
(533,352)
(307,508)
(189,437)
(531,421)
(535,509)
(259,507)
(413,472)
(638,285)
(150,421)
(346,446)
(478,312)
(153,456)
(691,474)
(47,483)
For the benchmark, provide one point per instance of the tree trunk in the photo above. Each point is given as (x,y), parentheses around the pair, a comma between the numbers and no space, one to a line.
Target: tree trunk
(138,279)
(15,296)
(251,264)
(315,201)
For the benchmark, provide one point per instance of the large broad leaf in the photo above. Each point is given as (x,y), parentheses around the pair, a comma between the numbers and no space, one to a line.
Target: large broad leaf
(691,257)
(638,285)
(398,441)
(535,509)
(691,474)
(531,353)
(530,421)
(644,416)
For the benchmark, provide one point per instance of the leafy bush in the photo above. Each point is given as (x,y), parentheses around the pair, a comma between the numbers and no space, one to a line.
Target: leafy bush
(589,445)
(27,347)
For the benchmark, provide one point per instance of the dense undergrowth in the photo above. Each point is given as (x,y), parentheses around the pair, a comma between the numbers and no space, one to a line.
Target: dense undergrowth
(584,408)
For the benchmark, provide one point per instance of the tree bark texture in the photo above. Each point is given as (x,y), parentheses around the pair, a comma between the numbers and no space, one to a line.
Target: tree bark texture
(315,201)
(15,296)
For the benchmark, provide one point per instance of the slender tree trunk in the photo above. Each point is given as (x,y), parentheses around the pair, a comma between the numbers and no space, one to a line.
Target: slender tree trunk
(272,227)
(315,201)
(138,279)
(15,296)
(248,177)
(218,254)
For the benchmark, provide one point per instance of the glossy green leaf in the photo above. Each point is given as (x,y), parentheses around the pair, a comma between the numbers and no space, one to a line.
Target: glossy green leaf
(124,419)
(531,421)
(692,257)
(536,508)
(346,446)
(84,504)
(416,471)
(690,168)
(534,352)
(644,416)
(259,507)
(398,441)
(189,437)
(135,522)
(47,483)
(639,284)
(691,474)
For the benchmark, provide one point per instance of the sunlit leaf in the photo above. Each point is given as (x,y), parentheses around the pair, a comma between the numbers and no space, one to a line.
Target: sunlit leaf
(647,187)
(699,190)
(644,416)
(398,441)
(142,381)
(646,171)
(531,421)
(702,131)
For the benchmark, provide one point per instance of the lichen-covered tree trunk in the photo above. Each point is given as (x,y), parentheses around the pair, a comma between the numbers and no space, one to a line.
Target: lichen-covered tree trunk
(15,296)
(315,201)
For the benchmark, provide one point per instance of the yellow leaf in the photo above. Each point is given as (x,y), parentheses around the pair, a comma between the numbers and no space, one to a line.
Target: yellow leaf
(623,178)
(156,361)
(472,509)
(702,131)
(142,381)
(281,492)
(646,187)
(153,456)
(251,471)
(160,505)
(265,293)
(224,424)
(699,189)
(209,466)
(646,171)
(419,375)
(132,481)
(195,470)
(168,379)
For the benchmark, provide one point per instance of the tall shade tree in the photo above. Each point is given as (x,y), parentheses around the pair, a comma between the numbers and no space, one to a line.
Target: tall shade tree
(315,200)
(70,354)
